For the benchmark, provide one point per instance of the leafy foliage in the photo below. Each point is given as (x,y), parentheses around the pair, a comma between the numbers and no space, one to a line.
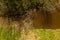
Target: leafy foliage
(20,7)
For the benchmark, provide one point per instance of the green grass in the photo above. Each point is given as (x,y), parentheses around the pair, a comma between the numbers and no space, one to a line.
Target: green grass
(7,34)
(44,34)
(48,34)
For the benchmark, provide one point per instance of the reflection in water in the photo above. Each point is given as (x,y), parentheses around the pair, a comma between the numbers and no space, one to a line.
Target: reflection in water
(47,19)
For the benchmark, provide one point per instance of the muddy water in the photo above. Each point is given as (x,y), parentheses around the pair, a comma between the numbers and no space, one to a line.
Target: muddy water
(40,20)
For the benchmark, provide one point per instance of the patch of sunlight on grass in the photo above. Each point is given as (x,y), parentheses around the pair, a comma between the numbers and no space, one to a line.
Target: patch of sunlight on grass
(48,34)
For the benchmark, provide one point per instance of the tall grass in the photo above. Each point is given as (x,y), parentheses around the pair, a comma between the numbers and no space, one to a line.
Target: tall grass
(44,34)
(8,34)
